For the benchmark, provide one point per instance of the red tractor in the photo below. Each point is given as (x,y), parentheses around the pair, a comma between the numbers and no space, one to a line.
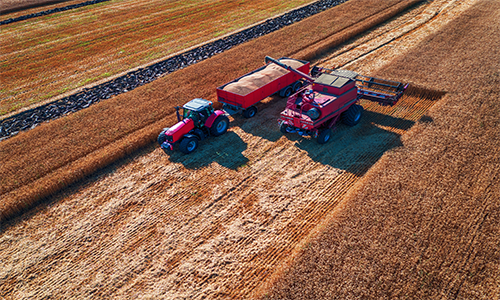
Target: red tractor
(199,120)
(331,95)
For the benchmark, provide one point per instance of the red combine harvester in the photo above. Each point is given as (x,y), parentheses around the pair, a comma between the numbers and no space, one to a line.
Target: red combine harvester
(241,94)
(199,120)
(331,95)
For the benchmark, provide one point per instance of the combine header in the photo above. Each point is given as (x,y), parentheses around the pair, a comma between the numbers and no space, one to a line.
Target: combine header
(330,95)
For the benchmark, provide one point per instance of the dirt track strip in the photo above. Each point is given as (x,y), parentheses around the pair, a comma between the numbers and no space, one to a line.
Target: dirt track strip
(216,223)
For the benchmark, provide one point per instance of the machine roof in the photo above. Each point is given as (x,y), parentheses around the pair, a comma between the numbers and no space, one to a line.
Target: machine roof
(332,80)
(197,104)
(344,73)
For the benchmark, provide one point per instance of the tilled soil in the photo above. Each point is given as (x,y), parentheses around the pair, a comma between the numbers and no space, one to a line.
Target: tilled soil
(215,224)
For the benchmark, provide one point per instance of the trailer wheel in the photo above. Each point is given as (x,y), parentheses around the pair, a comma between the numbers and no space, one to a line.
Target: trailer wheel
(296,86)
(324,136)
(286,91)
(219,126)
(188,144)
(250,112)
(162,137)
(352,115)
(283,127)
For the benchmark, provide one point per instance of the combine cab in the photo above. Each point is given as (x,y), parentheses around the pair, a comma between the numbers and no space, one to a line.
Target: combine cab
(198,121)
(331,95)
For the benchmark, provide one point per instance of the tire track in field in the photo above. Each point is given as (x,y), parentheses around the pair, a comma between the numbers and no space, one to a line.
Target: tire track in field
(377,47)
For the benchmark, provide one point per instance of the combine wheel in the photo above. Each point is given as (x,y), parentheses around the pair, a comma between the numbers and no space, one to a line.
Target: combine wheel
(286,92)
(352,115)
(188,144)
(324,136)
(250,112)
(219,126)
(161,137)
(283,127)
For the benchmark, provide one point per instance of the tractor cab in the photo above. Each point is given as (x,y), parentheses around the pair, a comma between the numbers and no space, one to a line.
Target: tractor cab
(197,110)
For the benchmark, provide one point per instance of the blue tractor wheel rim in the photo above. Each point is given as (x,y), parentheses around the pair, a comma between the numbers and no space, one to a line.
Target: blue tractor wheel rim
(191,145)
(221,126)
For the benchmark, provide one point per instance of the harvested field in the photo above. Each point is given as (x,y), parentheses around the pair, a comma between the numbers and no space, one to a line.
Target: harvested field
(118,126)
(423,222)
(52,55)
(215,223)
(401,215)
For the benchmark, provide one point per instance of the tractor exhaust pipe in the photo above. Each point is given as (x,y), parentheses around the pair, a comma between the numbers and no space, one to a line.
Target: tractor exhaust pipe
(305,76)
(177,113)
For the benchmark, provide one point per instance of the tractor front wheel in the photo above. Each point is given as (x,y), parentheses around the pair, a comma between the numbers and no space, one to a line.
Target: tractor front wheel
(324,136)
(219,126)
(188,144)
(162,137)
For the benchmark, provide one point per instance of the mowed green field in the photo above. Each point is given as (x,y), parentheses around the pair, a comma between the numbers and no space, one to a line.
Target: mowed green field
(45,57)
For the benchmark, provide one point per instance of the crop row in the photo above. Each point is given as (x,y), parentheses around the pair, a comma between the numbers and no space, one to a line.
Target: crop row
(31,118)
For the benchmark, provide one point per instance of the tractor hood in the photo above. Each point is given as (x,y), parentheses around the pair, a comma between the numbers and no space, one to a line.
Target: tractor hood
(180,129)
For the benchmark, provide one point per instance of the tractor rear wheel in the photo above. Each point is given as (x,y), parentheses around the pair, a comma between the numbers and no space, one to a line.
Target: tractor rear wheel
(250,112)
(352,115)
(188,144)
(162,137)
(324,136)
(219,126)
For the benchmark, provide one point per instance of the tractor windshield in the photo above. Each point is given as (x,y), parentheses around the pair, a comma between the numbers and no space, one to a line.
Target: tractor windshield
(187,113)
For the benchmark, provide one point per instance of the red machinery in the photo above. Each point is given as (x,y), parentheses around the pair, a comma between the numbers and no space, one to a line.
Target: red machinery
(330,95)
(199,120)
(285,85)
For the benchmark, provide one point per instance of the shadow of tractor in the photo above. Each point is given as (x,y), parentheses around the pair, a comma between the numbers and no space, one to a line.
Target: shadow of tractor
(226,150)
